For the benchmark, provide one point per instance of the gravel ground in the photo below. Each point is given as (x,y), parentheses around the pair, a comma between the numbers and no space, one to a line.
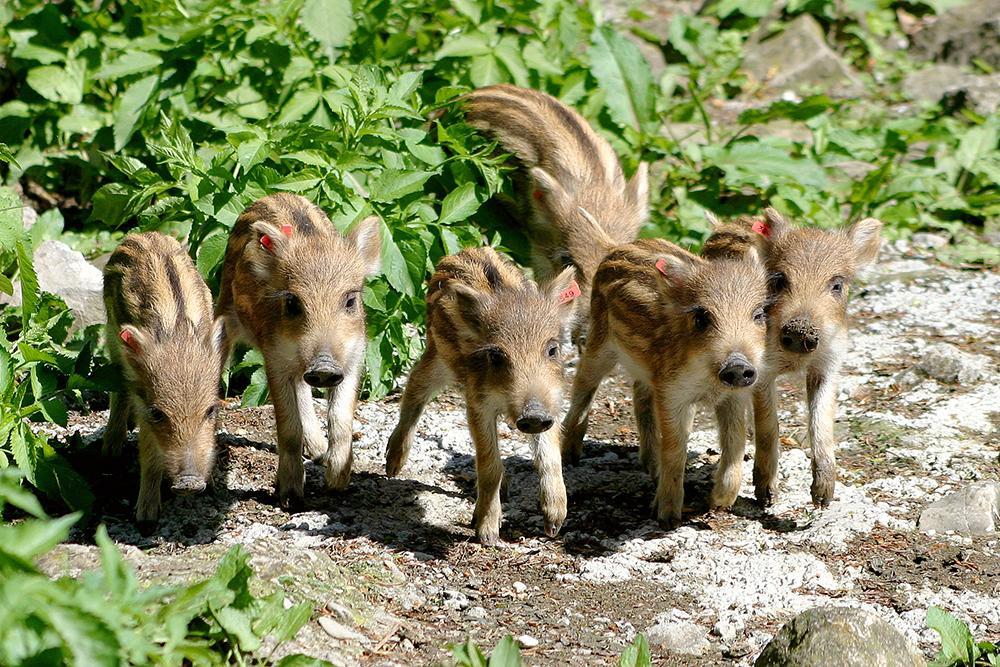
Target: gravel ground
(396,574)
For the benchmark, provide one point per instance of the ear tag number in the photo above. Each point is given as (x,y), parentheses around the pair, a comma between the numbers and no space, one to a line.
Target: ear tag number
(569,293)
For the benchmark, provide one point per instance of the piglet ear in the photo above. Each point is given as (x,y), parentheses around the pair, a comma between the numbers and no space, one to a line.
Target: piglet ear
(676,270)
(564,289)
(134,341)
(866,237)
(219,336)
(773,225)
(271,239)
(367,239)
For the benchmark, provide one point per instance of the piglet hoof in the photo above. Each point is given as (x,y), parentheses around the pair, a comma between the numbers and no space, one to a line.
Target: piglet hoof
(488,537)
(292,503)
(395,457)
(552,527)
(338,481)
(146,527)
(822,492)
(571,455)
(765,497)
(314,450)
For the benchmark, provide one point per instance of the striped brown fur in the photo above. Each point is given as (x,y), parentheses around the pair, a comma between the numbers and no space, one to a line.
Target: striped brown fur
(156,299)
(573,197)
(689,331)
(811,271)
(494,332)
(297,297)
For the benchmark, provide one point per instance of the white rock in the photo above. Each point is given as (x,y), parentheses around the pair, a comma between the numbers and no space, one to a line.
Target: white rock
(65,273)
(520,587)
(527,641)
(947,363)
(678,636)
(339,631)
(974,510)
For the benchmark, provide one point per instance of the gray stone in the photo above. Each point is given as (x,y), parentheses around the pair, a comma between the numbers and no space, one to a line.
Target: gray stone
(798,58)
(838,636)
(65,273)
(975,510)
(980,92)
(527,641)
(947,363)
(682,637)
(929,241)
(962,34)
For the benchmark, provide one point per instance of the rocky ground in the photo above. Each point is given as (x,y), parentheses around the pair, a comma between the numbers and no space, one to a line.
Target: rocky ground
(396,574)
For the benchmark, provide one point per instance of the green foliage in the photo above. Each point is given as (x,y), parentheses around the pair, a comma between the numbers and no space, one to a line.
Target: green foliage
(507,654)
(958,648)
(637,653)
(106,617)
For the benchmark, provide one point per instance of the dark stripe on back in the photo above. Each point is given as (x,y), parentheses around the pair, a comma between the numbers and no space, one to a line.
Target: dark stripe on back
(175,286)
(303,222)
(573,124)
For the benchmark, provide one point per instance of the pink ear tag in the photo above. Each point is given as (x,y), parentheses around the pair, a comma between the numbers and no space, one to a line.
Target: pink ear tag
(127,338)
(762,228)
(286,229)
(661,266)
(266,243)
(569,293)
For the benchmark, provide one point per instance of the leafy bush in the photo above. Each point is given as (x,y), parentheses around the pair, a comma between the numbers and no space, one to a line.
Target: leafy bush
(105,617)
(958,648)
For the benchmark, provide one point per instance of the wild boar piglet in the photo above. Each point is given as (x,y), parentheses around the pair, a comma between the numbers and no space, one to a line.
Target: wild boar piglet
(810,274)
(496,333)
(161,333)
(570,192)
(689,331)
(291,286)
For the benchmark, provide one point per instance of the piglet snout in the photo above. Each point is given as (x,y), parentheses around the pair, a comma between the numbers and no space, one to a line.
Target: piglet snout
(737,371)
(324,372)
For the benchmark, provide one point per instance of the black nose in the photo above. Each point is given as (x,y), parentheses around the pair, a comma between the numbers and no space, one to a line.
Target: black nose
(534,418)
(738,372)
(323,372)
(187,485)
(799,337)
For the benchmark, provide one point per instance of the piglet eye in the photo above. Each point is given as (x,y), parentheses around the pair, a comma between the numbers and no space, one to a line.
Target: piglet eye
(702,319)
(496,358)
(351,301)
(552,349)
(837,286)
(156,415)
(211,412)
(778,282)
(759,316)
(293,306)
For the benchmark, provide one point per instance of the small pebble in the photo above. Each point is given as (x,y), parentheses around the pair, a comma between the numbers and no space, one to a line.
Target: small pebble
(527,641)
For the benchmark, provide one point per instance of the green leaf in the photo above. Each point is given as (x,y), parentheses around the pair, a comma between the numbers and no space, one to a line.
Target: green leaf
(636,654)
(957,645)
(329,22)
(210,253)
(465,45)
(291,621)
(804,110)
(459,204)
(468,654)
(977,143)
(30,292)
(394,265)
(29,539)
(57,84)
(505,654)
(89,640)
(625,77)
(130,108)
(762,165)
(393,184)
(130,62)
